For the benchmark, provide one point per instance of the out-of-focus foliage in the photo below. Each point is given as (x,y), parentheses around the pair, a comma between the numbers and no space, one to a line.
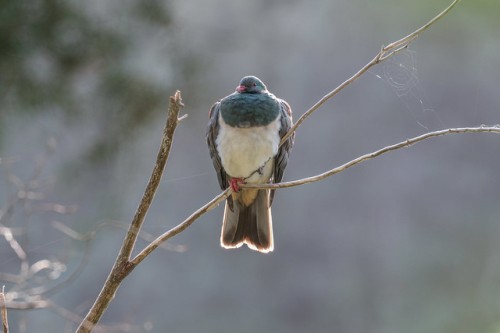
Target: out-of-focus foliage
(45,46)
(77,60)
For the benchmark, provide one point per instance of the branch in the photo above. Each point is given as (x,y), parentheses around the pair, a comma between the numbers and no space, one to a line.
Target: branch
(5,322)
(161,160)
(180,227)
(123,266)
(385,53)
(366,157)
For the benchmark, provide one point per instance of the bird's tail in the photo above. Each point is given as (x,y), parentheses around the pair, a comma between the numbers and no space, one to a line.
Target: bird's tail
(251,225)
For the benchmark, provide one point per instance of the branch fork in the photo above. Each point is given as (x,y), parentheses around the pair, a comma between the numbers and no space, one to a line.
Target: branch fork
(125,264)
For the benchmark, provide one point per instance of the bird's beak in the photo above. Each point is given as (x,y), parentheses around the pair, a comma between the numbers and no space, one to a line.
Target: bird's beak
(241,88)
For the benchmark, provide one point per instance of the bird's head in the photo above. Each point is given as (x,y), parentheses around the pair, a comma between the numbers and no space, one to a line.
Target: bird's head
(251,85)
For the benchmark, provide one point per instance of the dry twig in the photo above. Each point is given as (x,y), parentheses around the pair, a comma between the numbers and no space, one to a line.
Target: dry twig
(180,227)
(385,53)
(3,304)
(366,157)
(123,266)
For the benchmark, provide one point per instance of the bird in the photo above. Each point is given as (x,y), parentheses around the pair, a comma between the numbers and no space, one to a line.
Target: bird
(243,136)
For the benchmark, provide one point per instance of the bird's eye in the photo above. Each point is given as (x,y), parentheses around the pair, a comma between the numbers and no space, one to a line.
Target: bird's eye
(254,84)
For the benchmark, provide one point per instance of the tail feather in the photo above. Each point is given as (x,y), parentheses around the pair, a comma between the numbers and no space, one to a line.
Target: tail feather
(251,225)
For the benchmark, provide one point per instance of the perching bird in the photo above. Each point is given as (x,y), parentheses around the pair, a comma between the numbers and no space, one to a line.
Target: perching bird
(243,136)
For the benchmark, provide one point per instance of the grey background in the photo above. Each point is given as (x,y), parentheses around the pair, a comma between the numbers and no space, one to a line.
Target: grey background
(403,243)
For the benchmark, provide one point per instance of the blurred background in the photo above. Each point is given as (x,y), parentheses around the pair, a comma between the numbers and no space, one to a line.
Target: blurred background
(407,242)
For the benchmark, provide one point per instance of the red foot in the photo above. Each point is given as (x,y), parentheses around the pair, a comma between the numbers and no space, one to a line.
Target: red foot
(235,184)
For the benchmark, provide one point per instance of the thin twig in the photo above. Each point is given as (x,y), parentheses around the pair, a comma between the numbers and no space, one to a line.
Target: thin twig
(17,248)
(385,53)
(366,157)
(80,267)
(161,160)
(37,303)
(122,266)
(406,40)
(3,304)
(180,227)
(143,235)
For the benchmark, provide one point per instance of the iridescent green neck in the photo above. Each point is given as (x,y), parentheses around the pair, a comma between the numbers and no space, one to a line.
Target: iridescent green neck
(249,110)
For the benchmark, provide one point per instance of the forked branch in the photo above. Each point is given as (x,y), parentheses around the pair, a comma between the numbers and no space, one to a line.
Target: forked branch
(125,264)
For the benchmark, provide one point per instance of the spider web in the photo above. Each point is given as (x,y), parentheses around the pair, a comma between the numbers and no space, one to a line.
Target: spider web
(401,74)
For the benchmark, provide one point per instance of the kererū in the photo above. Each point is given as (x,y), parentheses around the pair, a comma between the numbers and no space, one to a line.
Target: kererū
(243,137)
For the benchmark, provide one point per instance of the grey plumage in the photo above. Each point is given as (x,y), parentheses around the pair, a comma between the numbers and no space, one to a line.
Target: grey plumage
(252,225)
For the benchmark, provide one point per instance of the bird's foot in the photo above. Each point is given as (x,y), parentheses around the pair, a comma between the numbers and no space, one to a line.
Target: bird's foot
(235,184)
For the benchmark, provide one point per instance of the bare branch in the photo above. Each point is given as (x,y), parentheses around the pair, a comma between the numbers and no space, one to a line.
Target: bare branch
(16,247)
(366,157)
(5,322)
(37,303)
(123,266)
(180,227)
(161,160)
(82,264)
(385,53)
(145,236)
(403,42)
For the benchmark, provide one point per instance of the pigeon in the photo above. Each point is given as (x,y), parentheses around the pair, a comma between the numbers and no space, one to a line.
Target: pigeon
(243,136)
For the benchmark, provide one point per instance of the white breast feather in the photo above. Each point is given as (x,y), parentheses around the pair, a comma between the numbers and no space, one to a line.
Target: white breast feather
(244,150)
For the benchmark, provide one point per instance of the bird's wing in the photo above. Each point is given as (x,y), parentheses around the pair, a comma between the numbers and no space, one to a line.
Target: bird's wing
(281,159)
(212,133)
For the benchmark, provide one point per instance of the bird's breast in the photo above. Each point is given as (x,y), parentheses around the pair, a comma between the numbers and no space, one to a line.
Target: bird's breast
(244,150)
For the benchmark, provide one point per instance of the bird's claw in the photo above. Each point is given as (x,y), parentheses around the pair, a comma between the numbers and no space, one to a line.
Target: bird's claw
(234,183)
